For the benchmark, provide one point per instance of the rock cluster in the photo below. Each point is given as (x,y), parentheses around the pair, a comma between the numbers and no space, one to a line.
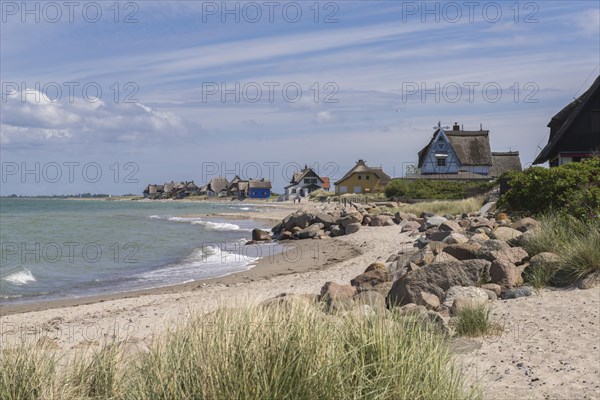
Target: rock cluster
(456,262)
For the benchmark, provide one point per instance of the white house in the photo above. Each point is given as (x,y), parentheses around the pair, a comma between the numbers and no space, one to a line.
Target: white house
(303,183)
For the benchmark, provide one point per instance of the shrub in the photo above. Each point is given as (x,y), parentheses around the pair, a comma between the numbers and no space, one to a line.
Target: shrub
(435,189)
(573,188)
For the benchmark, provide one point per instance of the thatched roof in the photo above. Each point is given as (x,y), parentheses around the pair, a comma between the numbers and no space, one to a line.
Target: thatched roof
(563,120)
(471,147)
(502,162)
(218,184)
(361,167)
(259,184)
(298,176)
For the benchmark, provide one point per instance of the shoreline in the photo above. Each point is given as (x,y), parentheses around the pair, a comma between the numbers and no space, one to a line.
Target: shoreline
(259,270)
(272,265)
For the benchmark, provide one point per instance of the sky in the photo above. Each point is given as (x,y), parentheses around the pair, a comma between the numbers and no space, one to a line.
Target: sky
(107,97)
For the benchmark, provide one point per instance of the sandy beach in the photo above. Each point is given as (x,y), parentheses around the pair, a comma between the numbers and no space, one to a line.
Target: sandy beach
(549,347)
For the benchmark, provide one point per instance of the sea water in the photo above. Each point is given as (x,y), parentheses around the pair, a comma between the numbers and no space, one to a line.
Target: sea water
(58,248)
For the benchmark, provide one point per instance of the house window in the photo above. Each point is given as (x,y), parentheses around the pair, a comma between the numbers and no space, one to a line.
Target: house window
(441,161)
(293,191)
(357,189)
(440,138)
(343,189)
(359,177)
(367,177)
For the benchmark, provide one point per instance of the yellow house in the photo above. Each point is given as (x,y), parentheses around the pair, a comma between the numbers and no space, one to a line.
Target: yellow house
(362,179)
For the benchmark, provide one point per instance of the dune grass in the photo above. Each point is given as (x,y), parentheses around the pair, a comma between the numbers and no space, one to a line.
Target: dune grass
(475,321)
(442,207)
(576,241)
(257,353)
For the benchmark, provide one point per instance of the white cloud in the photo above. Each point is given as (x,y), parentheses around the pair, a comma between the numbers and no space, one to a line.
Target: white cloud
(35,120)
(324,117)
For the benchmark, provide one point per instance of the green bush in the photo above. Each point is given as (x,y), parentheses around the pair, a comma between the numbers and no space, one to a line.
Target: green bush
(573,188)
(475,321)
(435,189)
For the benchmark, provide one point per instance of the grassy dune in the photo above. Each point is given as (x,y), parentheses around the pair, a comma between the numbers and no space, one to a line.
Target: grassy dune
(294,352)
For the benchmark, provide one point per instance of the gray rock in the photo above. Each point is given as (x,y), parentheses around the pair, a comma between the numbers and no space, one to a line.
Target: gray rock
(298,219)
(469,292)
(326,219)
(436,279)
(310,231)
(505,233)
(523,291)
(260,235)
(456,238)
(463,251)
(434,222)
(525,224)
(450,226)
(352,228)
(410,226)
(337,230)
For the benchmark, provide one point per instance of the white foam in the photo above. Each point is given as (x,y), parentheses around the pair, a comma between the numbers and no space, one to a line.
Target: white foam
(22,277)
(220,226)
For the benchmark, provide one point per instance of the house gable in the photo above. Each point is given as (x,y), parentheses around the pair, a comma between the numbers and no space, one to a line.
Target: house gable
(439,156)
(575,130)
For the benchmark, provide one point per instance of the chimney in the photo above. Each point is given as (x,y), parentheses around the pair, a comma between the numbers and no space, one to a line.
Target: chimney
(456,127)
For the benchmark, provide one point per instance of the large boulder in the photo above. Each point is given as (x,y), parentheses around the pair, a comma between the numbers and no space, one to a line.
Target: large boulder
(337,297)
(505,234)
(546,259)
(298,219)
(380,220)
(505,274)
(450,226)
(336,230)
(422,257)
(326,219)
(525,224)
(463,251)
(350,218)
(470,292)
(367,280)
(436,279)
(259,235)
(310,232)
(352,228)
(402,216)
(497,249)
(456,238)
(410,226)
(434,222)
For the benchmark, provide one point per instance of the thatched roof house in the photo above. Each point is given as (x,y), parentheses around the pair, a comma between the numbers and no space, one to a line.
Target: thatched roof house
(574,130)
(217,186)
(463,155)
(362,179)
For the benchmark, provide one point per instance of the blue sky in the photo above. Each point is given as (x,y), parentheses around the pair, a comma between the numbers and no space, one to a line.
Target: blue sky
(366,59)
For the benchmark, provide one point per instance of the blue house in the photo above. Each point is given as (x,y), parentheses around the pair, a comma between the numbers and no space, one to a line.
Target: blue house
(459,154)
(259,189)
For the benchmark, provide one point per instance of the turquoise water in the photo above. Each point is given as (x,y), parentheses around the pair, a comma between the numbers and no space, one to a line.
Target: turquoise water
(67,248)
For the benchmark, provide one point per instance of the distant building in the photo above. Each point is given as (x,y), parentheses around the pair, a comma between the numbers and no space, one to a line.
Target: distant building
(303,183)
(259,189)
(574,130)
(463,155)
(217,187)
(362,179)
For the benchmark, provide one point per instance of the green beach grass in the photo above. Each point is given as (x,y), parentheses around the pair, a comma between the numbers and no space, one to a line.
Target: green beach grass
(294,352)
